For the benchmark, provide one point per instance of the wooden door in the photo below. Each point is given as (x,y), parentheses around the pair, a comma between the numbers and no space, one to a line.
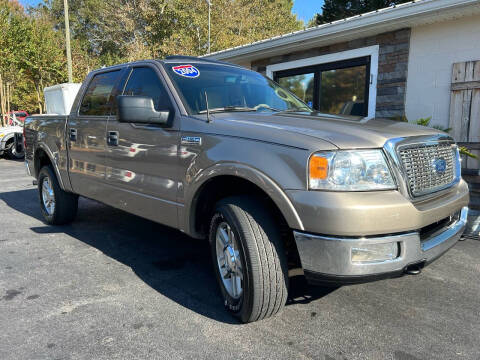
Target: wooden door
(465,108)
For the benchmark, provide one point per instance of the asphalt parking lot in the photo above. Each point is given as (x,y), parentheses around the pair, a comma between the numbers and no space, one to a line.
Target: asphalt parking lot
(115,286)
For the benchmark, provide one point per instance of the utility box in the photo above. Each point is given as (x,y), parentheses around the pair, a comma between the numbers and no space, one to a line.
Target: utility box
(59,98)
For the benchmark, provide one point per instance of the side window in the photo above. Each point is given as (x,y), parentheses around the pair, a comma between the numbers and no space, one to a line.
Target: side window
(145,82)
(98,97)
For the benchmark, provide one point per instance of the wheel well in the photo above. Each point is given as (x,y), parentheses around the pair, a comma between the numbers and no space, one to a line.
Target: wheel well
(224,186)
(41,159)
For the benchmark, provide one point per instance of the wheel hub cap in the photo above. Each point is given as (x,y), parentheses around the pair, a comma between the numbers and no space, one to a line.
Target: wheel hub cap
(229,261)
(230,256)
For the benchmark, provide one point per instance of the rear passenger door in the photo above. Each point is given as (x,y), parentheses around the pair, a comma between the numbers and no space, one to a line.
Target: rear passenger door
(142,159)
(86,135)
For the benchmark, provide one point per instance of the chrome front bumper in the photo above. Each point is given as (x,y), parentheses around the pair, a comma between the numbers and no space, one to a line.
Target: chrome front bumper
(331,257)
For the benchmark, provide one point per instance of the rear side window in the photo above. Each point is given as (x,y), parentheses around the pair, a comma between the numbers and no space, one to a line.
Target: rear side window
(145,82)
(98,98)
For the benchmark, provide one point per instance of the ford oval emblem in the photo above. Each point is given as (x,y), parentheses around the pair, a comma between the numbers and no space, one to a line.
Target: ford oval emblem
(439,166)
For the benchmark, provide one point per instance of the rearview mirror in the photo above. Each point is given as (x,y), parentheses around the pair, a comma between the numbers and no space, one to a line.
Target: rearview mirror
(140,109)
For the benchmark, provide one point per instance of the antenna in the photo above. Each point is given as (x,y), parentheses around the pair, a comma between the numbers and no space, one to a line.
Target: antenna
(208,110)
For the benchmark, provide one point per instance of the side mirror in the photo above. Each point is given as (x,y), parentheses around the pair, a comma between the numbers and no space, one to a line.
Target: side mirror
(140,109)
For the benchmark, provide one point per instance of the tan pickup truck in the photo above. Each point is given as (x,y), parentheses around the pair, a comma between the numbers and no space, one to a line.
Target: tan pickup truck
(225,154)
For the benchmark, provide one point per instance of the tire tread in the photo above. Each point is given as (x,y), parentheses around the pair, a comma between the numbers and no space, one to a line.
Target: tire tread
(267,257)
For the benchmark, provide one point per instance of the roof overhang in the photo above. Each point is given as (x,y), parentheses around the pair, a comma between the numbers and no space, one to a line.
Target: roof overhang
(406,15)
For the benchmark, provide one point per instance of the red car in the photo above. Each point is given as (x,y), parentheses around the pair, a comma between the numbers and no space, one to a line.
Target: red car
(21,115)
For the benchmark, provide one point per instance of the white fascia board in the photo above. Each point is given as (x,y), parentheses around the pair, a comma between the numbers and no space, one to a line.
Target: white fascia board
(377,21)
(323,59)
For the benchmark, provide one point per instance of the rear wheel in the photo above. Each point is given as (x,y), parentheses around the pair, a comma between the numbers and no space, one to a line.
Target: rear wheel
(58,206)
(249,259)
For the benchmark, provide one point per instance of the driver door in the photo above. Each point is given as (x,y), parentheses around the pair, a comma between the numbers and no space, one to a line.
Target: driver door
(142,159)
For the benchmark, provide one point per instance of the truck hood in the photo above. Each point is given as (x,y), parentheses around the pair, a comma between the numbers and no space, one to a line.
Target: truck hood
(342,132)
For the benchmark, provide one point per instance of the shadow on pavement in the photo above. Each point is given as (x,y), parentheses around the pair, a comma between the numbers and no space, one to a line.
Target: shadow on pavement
(4,157)
(170,262)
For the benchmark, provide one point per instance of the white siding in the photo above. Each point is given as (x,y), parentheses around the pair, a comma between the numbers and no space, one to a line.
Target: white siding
(433,50)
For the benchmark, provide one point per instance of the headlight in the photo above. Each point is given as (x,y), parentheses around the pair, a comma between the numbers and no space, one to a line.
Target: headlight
(352,170)
(2,135)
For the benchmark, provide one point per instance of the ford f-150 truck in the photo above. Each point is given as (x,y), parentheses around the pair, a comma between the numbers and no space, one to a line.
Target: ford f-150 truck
(225,154)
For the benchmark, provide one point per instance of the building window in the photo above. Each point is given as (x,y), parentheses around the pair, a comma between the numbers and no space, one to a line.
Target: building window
(333,88)
(338,83)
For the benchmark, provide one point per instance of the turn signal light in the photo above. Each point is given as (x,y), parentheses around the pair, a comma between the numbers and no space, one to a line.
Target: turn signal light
(318,167)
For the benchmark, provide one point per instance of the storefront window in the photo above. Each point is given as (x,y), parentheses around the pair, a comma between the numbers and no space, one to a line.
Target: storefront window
(333,88)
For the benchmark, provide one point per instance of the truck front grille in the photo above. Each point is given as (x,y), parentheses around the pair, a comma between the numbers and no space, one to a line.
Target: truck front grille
(429,167)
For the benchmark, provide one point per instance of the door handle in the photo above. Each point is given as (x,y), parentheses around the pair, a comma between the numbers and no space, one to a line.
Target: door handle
(73,134)
(112,138)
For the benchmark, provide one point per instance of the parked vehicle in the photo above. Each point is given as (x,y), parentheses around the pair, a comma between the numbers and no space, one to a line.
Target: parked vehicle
(228,155)
(20,115)
(11,140)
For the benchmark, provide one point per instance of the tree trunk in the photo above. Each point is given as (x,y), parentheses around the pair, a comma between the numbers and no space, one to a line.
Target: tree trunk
(8,97)
(44,109)
(2,101)
(39,99)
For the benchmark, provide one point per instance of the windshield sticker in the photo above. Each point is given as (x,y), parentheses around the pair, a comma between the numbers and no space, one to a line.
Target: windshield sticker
(189,71)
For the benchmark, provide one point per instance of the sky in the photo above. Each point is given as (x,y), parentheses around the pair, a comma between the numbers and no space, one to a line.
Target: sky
(29,2)
(305,9)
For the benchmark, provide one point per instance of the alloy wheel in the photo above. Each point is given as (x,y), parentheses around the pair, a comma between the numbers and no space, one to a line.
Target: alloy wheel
(229,260)
(48,196)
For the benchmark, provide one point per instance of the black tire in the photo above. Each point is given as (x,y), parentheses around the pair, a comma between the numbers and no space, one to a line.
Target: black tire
(264,263)
(12,152)
(66,204)
(8,148)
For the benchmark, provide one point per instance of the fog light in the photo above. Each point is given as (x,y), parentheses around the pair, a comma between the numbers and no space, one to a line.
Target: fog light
(372,253)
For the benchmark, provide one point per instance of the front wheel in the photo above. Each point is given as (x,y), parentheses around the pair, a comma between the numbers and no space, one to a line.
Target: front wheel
(12,151)
(58,207)
(249,258)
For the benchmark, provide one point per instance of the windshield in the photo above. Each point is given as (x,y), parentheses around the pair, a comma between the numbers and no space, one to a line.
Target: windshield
(229,88)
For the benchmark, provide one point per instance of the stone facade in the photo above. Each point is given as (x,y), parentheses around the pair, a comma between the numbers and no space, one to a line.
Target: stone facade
(392,67)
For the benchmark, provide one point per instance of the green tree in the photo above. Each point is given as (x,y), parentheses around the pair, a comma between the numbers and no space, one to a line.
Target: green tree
(234,23)
(340,9)
(11,30)
(43,60)
(31,57)
(120,30)
(32,45)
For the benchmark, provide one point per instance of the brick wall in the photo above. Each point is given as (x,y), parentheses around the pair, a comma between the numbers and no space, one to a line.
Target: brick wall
(392,66)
